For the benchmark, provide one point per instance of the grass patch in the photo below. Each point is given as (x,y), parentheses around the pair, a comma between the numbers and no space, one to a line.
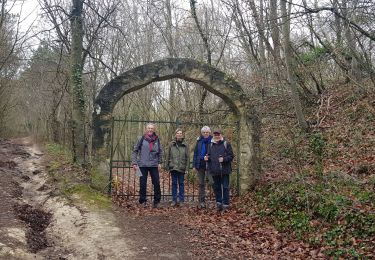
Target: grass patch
(88,195)
(58,151)
(74,182)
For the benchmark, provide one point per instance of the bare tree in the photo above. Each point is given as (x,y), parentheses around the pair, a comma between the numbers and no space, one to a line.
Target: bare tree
(207,48)
(275,28)
(11,43)
(79,32)
(47,76)
(289,66)
(77,92)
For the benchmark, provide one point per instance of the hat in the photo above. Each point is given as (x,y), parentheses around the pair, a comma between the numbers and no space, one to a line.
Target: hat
(217,131)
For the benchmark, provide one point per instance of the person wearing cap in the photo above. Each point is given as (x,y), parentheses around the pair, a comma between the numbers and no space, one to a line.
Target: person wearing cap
(219,157)
(200,165)
(178,161)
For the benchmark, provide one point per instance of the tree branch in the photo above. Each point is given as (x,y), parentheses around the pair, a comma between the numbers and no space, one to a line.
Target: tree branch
(336,12)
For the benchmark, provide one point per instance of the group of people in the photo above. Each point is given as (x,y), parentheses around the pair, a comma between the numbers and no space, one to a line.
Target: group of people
(212,160)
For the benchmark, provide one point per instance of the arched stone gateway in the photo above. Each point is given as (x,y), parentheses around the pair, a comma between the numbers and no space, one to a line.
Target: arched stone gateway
(208,77)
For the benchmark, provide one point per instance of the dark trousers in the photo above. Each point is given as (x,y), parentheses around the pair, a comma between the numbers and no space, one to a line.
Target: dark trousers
(202,176)
(221,188)
(154,172)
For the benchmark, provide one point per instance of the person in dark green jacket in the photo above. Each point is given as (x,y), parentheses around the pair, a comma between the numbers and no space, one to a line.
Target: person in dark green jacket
(178,161)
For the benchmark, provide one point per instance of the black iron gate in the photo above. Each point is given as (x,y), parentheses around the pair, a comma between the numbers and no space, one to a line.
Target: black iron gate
(125,132)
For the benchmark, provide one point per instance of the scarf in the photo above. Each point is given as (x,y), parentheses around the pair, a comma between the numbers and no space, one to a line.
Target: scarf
(151,139)
(205,142)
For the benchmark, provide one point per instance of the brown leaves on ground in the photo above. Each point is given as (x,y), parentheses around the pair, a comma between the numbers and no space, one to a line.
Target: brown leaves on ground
(226,235)
(346,125)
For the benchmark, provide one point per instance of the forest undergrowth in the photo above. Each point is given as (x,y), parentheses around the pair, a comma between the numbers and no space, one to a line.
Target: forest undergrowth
(319,187)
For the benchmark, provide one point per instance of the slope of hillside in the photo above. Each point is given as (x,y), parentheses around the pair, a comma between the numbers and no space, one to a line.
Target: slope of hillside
(319,186)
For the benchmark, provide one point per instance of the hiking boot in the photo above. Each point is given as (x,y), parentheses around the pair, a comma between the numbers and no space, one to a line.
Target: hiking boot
(202,205)
(173,204)
(155,205)
(225,207)
(219,206)
(144,204)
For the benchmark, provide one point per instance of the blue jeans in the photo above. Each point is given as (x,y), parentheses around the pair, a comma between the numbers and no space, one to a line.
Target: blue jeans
(154,172)
(221,188)
(178,179)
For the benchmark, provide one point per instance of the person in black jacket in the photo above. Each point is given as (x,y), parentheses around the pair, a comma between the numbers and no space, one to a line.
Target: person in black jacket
(219,158)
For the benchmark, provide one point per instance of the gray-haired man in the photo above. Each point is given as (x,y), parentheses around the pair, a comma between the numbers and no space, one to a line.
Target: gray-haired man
(200,165)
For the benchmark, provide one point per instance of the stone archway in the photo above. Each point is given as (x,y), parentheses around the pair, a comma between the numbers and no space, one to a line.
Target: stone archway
(208,77)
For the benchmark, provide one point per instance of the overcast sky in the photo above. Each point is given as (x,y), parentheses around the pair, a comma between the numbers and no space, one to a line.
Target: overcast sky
(28,11)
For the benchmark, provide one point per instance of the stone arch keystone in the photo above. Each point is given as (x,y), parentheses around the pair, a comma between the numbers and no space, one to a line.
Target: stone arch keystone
(212,79)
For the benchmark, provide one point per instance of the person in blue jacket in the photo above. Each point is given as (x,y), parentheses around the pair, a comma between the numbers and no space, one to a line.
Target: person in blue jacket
(200,165)
(219,157)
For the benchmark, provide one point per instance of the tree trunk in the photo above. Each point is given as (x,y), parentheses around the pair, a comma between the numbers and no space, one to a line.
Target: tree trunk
(208,50)
(352,54)
(289,67)
(76,86)
(262,54)
(275,28)
(338,26)
(172,54)
(55,126)
(245,36)
(260,26)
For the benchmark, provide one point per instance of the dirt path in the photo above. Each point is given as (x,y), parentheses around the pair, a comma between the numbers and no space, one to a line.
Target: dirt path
(36,224)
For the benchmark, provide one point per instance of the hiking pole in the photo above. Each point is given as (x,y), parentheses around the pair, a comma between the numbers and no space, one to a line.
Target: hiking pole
(206,176)
(222,182)
(206,172)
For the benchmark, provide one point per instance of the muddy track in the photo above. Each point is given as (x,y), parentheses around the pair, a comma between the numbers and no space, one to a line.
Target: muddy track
(37,221)
(37,224)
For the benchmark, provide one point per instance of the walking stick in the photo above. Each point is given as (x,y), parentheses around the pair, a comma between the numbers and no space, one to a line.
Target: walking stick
(206,176)
(221,178)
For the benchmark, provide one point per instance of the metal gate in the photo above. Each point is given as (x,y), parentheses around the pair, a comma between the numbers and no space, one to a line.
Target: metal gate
(125,133)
